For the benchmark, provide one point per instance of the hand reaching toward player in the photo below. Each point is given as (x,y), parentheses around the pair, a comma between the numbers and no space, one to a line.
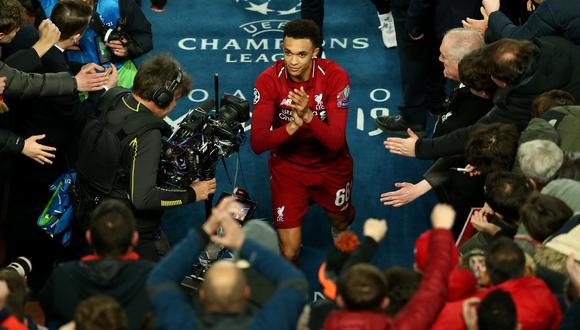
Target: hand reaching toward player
(40,153)
(402,146)
(407,193)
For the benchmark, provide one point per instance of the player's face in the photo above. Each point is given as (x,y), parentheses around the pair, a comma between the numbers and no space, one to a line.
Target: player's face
(298,55)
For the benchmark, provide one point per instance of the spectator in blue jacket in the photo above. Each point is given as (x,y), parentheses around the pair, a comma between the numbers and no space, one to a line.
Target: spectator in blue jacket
(224,292)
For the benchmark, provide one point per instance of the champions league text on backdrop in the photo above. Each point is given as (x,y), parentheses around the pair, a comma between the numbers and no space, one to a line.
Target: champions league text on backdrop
(256,38)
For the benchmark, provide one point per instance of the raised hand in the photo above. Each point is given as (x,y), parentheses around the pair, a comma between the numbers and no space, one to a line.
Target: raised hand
(442,216)
(490,5)
(479,25)
(223,215)
(49,35)
(300,101)
(375,229)
(36,151)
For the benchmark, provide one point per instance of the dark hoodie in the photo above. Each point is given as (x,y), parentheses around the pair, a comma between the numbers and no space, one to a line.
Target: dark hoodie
(72,282)
(554,66)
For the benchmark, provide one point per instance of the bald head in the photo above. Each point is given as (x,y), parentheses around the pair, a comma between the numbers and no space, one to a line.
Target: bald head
(224,288)
(455,45)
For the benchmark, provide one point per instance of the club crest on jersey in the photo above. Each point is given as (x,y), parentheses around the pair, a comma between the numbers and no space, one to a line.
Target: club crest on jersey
(256,96)
(343,97)
(280,213)
(318,98)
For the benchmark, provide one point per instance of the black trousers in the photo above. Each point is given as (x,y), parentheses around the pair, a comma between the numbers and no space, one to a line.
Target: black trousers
(314,10)
(422,79)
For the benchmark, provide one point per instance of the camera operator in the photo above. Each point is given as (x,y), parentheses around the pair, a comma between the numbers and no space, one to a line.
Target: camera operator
(118,33)
(158,84)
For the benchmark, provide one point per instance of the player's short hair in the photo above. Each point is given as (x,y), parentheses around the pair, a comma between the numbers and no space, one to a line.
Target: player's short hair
(505,192)
(303,29)
(100,313)
(474,72)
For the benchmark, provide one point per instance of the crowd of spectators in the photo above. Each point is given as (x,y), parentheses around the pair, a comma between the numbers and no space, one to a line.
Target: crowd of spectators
(503,253)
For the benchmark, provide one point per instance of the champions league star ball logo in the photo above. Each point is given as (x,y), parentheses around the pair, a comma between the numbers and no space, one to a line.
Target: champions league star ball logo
(278,13)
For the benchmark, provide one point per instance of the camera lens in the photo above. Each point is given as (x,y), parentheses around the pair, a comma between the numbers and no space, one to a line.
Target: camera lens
(21,265)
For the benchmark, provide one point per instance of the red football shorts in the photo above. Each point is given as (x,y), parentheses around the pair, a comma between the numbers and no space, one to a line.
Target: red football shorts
(294,188)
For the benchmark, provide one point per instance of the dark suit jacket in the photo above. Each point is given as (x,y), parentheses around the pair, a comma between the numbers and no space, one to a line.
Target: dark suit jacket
(555,66)
(437,16)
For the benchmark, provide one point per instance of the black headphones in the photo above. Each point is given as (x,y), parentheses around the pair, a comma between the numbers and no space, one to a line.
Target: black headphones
(163,96)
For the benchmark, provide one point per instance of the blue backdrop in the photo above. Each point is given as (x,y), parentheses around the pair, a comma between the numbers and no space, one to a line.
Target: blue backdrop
(238,39)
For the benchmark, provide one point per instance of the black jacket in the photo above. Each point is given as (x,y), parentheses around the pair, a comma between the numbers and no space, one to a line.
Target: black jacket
(72,282)
(437,16)
(552,18)
(555,66)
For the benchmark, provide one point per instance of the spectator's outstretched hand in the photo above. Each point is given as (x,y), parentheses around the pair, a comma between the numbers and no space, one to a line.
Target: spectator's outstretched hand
(469,312)
(573,269)
(375,229)
(442,216)
(36,151)
(407,193)
(402,146)
(90,80)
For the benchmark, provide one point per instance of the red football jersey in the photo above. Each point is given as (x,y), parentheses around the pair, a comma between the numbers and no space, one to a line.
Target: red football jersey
(315,144)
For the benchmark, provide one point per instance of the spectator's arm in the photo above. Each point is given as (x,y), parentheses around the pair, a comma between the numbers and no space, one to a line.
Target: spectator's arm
(10,143)
(423,308)
(540,23)
(27,85)
(440,171)
(285,305)
(172,308)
